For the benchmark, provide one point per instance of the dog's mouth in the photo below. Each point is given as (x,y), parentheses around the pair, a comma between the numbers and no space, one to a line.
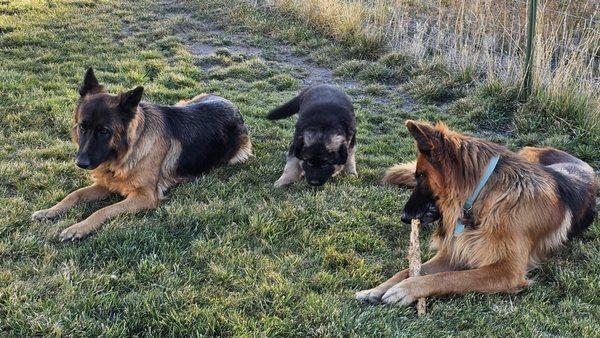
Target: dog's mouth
(429,214)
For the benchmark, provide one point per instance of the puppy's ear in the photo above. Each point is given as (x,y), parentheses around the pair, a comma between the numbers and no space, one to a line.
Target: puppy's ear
(342,154)
(298,146)
(426,136)
(129,101)
(90,84)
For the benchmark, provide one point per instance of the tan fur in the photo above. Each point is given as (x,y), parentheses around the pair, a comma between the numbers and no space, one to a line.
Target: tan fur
(141,173)
(197,98)
(292,172)
(350,166)
(245,151)
(520,219)
(335,143)
(402,174)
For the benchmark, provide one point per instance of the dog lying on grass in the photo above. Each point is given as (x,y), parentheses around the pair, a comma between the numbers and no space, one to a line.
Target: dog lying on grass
(139,150)
(501,213)
(325,136)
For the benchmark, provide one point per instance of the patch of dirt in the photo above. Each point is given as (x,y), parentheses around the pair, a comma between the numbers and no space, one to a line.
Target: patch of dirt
(310,73)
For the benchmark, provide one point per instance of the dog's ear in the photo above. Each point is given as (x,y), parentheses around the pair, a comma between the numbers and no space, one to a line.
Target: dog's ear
(342,154)
(129,100)
(298,146)
(90,84)
(425,135)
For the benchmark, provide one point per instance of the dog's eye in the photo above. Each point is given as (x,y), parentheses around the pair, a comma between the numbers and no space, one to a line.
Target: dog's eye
(82,129)
(419,174)
(104,131)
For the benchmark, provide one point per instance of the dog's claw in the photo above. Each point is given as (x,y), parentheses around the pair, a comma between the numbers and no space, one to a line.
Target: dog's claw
(74,232)
(372,296)
(44,215)
(280,183)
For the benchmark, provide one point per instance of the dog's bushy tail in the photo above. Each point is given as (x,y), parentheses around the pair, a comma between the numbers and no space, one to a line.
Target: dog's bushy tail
(401,174)
(286,110)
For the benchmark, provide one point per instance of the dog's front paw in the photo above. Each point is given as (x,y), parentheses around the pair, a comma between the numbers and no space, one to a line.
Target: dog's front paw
(76,232)
(372,296)
(402,293)
(45,215)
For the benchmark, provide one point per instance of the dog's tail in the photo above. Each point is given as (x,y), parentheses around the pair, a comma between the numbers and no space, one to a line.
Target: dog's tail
(286,110)
(401,174)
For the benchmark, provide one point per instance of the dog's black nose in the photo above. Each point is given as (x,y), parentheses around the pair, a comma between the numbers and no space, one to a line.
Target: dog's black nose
(406,218)
(83,163)
(316,183)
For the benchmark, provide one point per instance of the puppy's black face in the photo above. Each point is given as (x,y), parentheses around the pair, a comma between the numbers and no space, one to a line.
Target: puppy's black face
(101,122)
(321,155)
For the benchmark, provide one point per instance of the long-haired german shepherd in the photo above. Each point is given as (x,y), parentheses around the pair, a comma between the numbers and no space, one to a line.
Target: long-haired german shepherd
(139,150)
(532,203)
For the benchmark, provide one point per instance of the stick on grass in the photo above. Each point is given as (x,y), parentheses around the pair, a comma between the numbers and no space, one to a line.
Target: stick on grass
(414,259)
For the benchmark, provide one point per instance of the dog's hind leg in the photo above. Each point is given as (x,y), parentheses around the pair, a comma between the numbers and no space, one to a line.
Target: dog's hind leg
(88,194)
(291,172)
(436,264)
(135,202)
(350,166)
(499,277)
(244,152)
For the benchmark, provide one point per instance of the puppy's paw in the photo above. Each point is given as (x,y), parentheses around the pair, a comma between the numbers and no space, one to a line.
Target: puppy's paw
(352,173)
(402,293)
(76,232)
(372,296)
(45,215)
(281,183)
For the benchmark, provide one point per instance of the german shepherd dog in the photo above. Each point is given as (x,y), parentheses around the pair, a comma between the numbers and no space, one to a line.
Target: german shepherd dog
(325,136)
(139,150)
(532,203)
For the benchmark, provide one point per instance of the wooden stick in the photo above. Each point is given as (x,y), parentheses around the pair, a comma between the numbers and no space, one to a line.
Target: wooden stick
(414,259)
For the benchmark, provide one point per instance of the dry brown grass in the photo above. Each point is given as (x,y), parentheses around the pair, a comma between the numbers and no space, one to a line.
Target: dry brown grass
(485,35)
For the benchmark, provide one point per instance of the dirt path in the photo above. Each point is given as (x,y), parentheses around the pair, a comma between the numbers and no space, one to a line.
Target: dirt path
(187,25)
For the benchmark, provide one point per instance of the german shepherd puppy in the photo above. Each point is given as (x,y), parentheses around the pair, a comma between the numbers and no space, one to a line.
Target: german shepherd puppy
(533,202)
(139,150)
(325,136)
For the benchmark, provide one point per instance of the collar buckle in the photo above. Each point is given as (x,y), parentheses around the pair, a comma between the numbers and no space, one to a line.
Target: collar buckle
(467,215)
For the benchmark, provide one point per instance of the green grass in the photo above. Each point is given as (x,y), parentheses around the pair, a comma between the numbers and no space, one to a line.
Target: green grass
(229,254)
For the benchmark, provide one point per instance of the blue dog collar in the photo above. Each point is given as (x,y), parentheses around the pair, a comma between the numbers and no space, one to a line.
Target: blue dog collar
(460,227)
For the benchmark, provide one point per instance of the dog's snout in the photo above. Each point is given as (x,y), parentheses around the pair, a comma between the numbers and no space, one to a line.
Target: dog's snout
(406,218)
(83,162)
(315,182)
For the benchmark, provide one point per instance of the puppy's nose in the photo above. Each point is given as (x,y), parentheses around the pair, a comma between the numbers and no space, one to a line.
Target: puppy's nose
(83,163)
(316,182)
(406,218)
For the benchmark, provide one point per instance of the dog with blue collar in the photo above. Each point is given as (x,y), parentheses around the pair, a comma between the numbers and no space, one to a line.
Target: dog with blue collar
(500,213)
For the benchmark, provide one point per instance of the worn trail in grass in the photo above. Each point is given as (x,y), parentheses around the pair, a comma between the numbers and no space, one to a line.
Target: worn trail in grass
(229,254)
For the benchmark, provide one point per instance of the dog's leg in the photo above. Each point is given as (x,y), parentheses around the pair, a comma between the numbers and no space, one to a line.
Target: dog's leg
(436,264)
(350,167)
(87,194)
(133,203)
(493,278)
(291,172)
